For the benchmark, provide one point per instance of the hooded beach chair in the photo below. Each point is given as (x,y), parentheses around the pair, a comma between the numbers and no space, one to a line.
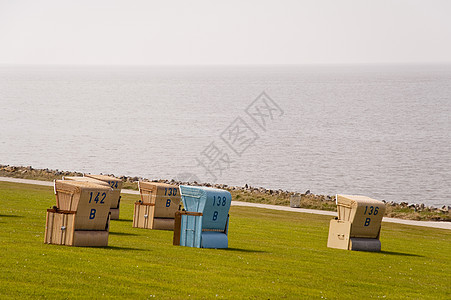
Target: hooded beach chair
(205,221)
(358,225)
(158,205)
(81,214)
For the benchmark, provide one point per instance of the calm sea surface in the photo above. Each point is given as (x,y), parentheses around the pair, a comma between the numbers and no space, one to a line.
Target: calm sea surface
(381,131)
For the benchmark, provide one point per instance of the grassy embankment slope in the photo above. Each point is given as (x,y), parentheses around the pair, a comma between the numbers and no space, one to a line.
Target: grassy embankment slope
(272,255)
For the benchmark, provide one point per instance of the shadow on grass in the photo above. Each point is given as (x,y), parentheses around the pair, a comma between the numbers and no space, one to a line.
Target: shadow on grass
(120,248)
(400,253)
(122,220)
(243,250)
(10,216)
(123,233)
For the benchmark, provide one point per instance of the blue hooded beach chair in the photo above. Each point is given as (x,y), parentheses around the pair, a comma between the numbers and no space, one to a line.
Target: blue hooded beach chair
(204,222)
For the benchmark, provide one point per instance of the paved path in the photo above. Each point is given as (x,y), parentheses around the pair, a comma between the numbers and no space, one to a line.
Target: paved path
(441,225)
(27,181)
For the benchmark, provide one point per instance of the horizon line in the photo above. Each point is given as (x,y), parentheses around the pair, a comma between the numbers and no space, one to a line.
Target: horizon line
(445,63)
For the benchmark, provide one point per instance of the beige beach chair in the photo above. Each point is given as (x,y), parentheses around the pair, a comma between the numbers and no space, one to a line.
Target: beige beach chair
(358,224)
(81,215)
(158,205)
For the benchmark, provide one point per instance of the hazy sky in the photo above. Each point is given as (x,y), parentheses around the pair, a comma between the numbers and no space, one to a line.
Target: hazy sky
(224,32)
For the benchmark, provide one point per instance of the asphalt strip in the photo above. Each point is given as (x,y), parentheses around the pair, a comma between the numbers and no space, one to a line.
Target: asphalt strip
(432,224)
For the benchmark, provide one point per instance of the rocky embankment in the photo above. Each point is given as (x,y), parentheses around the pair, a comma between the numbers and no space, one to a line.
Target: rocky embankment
(252,194)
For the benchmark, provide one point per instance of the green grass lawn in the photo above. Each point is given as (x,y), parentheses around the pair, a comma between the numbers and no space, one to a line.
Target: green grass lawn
(272,255)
